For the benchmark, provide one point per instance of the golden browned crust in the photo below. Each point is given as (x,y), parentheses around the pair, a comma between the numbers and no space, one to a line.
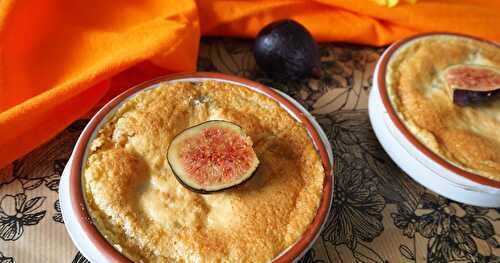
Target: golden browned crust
(141,208)
(468,137)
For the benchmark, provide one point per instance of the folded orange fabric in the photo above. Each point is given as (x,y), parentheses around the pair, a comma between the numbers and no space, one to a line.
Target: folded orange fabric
(60,59)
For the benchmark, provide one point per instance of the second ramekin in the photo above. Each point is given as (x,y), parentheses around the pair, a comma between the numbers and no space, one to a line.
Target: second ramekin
(412,156)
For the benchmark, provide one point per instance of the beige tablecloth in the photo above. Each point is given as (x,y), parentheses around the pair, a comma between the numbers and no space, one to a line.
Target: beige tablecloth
(379,214)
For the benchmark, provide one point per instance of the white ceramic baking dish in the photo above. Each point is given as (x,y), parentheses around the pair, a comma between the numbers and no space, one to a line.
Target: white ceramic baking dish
(80,226)
(424,166)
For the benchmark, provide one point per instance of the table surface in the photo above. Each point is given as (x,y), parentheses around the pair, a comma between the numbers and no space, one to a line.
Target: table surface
(379,214)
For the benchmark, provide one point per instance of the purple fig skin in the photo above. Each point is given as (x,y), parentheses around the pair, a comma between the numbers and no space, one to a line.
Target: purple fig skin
(285,50)
(473,84)
(467,97)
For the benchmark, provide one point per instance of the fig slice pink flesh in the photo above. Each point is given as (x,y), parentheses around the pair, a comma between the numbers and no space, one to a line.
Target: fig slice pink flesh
(472,84)
(212,156)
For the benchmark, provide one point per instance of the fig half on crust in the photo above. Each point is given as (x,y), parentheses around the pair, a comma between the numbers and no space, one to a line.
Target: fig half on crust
(472,84)
(212,156)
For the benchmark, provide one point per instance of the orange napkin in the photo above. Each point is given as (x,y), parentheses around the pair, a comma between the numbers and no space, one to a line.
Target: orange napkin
(60,59)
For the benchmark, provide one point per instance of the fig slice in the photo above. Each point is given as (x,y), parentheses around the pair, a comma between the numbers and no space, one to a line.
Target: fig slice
(472,84)
(212,156)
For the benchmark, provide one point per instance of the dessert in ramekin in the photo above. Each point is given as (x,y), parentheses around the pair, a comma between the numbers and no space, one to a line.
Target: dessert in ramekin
(452,149)
(133,208)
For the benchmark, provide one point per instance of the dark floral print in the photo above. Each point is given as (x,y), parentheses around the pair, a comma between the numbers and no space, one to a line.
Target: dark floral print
(450,227)
(52,181)
(17,212)
(4,259)
(406,252)
(488,259)
(309,257)
(406,220)
(356,210)
(79,258)
(57,215)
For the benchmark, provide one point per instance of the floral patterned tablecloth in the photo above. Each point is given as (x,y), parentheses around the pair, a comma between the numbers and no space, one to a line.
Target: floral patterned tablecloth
(379,214)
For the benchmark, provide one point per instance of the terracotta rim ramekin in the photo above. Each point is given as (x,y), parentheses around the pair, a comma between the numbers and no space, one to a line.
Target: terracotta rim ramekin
(76,192)
(402,127)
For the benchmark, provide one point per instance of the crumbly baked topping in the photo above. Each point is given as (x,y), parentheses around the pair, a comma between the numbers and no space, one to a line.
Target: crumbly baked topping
(468,137)
(144,212)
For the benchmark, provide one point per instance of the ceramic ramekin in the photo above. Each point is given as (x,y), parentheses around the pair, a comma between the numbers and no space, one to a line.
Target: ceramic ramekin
(78,222)
(423,165)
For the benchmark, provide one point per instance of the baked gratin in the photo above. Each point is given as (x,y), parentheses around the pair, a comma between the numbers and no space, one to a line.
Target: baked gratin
(143,211)
(466,136)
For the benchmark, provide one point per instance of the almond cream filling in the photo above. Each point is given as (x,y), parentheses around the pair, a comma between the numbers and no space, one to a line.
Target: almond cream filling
(143,210)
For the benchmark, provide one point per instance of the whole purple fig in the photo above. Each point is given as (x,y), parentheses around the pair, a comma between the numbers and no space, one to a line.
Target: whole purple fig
(286,50)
